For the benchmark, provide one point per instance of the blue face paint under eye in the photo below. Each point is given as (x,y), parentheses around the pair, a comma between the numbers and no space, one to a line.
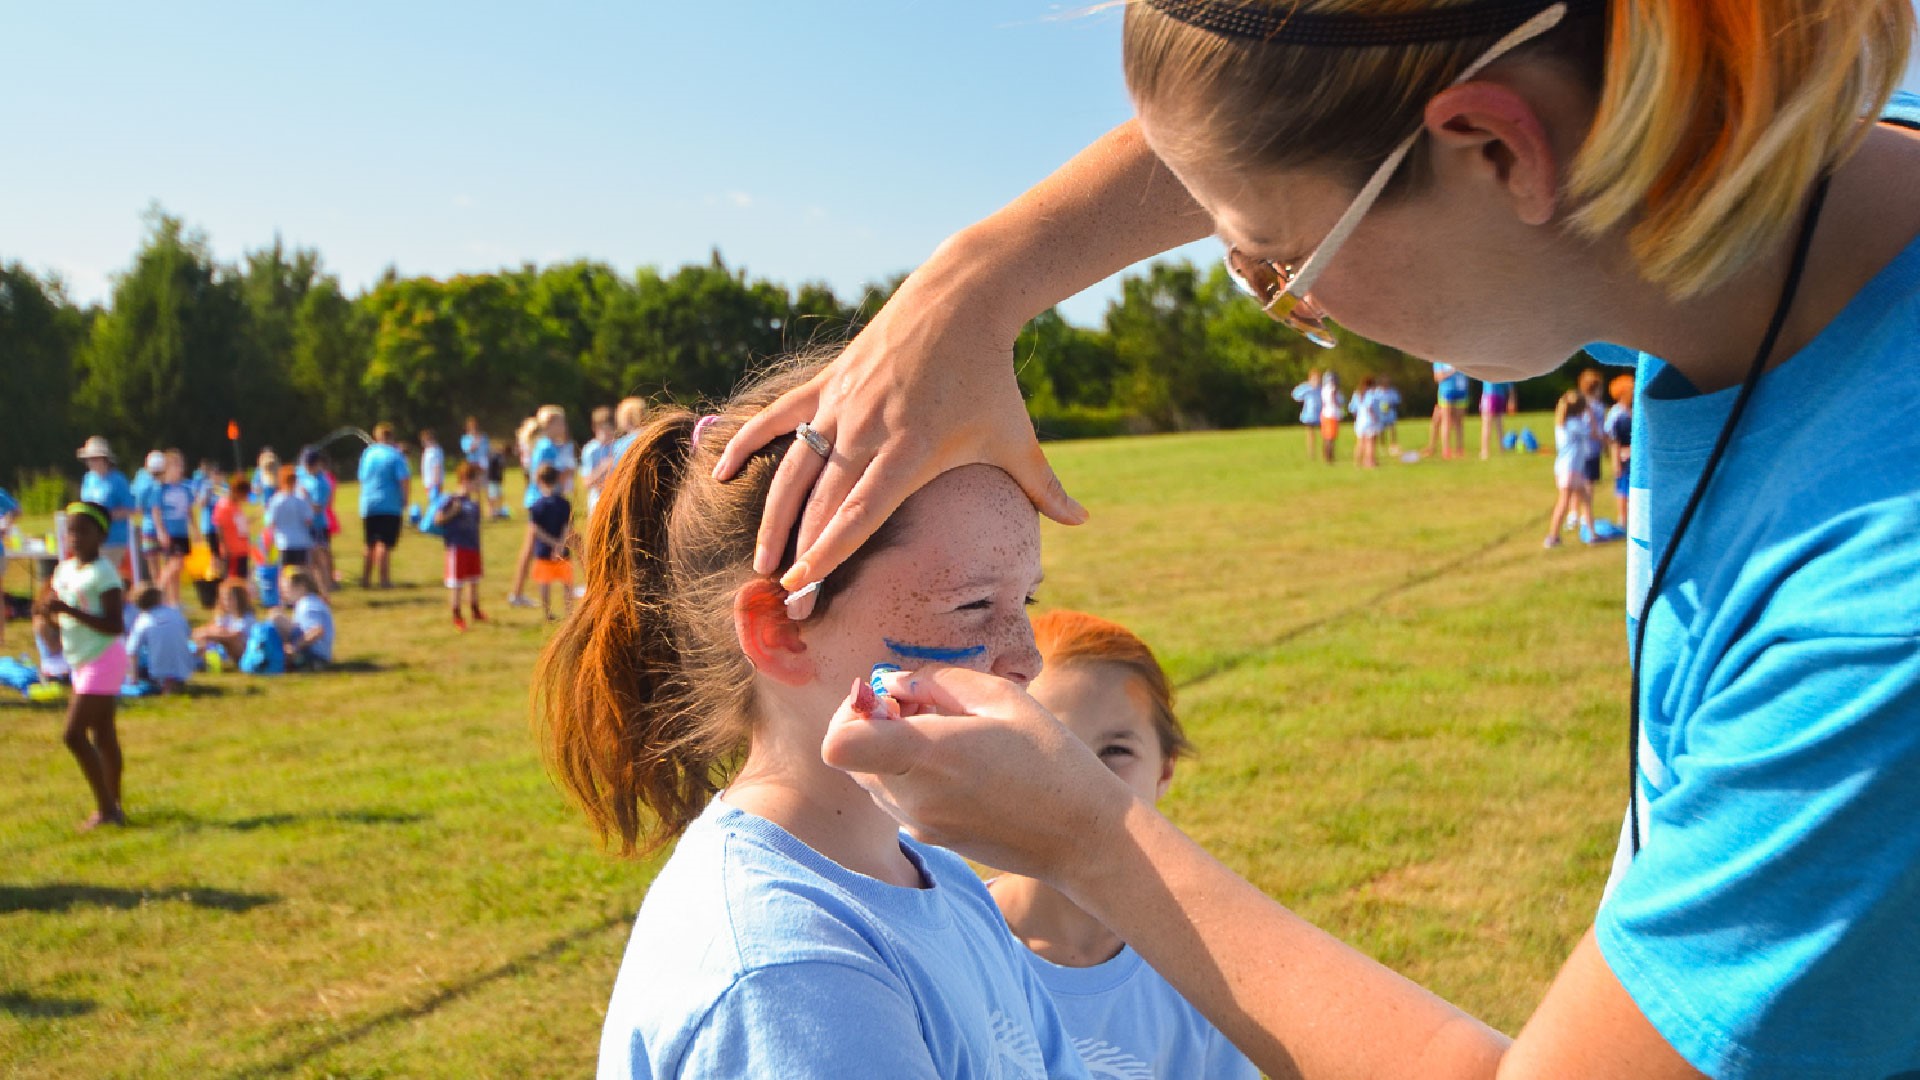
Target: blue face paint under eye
(934,655)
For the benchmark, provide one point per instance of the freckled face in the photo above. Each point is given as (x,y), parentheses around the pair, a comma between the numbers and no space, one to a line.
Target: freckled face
(1109,710)
(957,583)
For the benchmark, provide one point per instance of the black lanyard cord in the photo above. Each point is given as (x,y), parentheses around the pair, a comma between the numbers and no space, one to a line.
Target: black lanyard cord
(1795,266)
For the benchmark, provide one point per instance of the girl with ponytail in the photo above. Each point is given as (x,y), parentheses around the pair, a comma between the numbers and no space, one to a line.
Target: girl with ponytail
(1720,192)
(795,932)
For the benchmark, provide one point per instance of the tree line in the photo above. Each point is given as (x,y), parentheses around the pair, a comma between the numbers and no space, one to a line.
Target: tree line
(186,344)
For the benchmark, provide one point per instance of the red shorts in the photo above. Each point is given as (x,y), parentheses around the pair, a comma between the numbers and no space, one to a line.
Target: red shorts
(463,566)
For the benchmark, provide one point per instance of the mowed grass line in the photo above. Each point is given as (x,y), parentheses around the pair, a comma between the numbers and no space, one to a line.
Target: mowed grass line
(1409,720)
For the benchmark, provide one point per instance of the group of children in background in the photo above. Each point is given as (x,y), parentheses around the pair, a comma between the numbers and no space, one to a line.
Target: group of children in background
(1587,431)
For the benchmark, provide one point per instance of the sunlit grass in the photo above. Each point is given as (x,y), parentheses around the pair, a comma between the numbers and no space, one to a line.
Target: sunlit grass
(1409,721)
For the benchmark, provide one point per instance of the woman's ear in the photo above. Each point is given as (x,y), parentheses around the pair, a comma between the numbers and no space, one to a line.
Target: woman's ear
(1494,130)
(768,636)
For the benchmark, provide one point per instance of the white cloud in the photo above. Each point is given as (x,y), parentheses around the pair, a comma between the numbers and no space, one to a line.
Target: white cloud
(740,199)
(465,202)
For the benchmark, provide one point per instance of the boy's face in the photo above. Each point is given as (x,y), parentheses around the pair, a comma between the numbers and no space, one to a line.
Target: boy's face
(1108,708)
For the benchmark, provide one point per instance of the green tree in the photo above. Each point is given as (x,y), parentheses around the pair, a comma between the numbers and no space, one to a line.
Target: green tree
(40,330)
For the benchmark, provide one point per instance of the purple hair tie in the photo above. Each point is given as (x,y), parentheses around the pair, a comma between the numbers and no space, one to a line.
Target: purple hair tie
(700,427)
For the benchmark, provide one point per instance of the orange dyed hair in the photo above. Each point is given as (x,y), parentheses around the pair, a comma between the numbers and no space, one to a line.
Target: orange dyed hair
(1713,118)
(289,476)
(1066,638)
(1621,388)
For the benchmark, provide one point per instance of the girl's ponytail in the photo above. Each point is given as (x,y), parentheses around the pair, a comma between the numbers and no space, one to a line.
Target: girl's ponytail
(605,686)
(1715,118)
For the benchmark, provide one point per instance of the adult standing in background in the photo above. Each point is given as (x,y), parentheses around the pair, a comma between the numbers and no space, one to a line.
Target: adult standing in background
(596,457)
(1450,412)
(1722,192)
(107,486)
(1496,398)
(385,481)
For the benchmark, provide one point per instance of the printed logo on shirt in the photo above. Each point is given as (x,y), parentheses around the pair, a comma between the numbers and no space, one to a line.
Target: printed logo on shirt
(1015,1055)
(1106,1061)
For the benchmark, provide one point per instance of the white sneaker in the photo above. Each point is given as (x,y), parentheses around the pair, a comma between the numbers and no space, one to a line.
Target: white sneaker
(516,600)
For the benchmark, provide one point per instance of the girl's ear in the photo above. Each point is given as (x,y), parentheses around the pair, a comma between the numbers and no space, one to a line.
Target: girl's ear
(1166,778)
(770,639)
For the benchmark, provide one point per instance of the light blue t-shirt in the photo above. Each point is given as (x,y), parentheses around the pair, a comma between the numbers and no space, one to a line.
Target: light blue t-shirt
(145,490)
(311,611)
(1770,926)
(1127,1021)
(433,469)
(477,449)
(162,640)
(1452,383)
(620,444)
(545,452)
(318,487)
(1308,395)
(755,956)
(383,472)
(174,500)
(8,504)
(291,517)
(113,492)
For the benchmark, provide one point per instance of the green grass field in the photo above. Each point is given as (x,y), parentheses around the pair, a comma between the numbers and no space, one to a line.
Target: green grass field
(1409,717)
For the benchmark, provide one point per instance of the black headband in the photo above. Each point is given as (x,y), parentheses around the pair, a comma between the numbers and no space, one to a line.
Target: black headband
(1281,21)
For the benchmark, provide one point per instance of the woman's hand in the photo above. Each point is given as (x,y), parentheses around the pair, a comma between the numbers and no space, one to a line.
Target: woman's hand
(976,765)
(928,386)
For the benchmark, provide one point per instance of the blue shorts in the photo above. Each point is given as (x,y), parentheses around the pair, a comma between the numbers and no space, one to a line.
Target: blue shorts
(1620,485)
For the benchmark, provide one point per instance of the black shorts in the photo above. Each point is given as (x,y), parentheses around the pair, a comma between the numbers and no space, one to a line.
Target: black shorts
(179,545)
(213,541)
(381,529)
(293,557)
(237,568)
(1593,470)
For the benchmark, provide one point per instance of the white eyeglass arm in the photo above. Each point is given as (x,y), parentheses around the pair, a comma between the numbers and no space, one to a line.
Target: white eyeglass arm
(1526,31)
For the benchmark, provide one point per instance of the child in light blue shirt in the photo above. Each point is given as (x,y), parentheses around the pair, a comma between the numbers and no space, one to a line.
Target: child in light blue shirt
(161,642)
(795,932)
(1105,685)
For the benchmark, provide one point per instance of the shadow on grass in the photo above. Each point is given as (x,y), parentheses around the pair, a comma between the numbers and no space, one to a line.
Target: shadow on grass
(401,1014)
(28,1007)
(182,818)
(356,666)
(1372,603)
(65,896)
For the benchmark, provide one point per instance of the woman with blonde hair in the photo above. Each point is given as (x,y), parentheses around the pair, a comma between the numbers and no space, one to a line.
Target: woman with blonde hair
(1717,190)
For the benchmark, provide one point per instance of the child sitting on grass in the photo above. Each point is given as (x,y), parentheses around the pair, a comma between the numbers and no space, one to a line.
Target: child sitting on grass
(1104,684)
(794,932)
(308,632)
(459,521)
(232,620)
(550,524)
(160,643)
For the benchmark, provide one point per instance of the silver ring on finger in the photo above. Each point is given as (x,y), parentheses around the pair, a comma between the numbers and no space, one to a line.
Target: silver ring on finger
(815,441)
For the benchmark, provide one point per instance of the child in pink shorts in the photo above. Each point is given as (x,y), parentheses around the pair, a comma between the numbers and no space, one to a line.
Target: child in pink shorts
(84,603)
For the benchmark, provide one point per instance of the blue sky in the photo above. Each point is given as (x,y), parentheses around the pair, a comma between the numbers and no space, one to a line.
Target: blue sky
(838,140)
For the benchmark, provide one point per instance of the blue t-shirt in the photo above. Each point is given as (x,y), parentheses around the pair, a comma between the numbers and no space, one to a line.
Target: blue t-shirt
(113,492)
(144,488)
(620,444)
(8,504)
(291,517)
(383,471)
(162,642)
(477,449)
(205,494)
(552,513)
(1308,395)
(1452,383)
(463,529)
(545,452)
(318,487)
(174,500)
(1125,1020)
(311,611)
(1768,926)
(593,455)
(756,956)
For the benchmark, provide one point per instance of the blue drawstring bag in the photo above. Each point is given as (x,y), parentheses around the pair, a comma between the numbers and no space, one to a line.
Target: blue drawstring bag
(265,653)
(1510,440)
(266,584)
(424,519)
(1528,442)
(16,674)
